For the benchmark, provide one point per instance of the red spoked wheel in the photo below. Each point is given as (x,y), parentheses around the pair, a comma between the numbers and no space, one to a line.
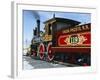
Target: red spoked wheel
(50,54)
(41,51)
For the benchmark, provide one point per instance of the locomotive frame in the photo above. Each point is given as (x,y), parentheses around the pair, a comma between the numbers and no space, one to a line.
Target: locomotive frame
(17,47)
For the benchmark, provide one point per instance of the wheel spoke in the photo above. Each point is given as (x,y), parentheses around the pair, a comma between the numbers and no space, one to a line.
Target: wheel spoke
(41,50)
(50,54)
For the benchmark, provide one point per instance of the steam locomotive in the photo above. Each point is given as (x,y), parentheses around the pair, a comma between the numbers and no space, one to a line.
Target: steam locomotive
(63,40)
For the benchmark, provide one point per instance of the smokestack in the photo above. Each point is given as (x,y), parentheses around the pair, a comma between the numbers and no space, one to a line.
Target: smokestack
(38,28)
(35,31)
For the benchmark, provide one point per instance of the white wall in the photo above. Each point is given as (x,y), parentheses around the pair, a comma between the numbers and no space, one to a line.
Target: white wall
(5,39)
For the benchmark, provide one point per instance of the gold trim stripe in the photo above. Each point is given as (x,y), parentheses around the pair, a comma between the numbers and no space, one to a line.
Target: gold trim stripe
(71,47)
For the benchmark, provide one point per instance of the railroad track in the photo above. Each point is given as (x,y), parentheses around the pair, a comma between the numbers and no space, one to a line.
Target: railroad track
(58,62)
(66,64)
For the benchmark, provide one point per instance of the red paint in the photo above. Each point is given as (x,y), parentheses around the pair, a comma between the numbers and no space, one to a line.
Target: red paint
(50,54)
(87,36)
(41,50)
(73,50)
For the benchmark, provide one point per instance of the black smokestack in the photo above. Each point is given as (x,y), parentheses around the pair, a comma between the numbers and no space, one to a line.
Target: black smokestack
(35,31)
(37,17)
(38,27)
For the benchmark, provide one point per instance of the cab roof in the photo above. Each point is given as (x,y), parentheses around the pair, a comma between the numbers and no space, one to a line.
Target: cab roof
(63,20)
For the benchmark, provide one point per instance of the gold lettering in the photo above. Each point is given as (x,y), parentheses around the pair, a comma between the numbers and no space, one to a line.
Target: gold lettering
(77,28)
(73,30)
(87,27)
(66,31)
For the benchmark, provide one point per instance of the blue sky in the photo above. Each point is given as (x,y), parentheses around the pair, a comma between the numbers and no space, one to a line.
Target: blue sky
(30,17)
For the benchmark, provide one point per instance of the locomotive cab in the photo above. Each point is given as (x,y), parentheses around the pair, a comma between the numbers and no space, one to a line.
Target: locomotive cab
(55,24)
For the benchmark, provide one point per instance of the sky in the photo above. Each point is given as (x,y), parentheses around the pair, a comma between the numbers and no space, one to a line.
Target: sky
(30,17)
